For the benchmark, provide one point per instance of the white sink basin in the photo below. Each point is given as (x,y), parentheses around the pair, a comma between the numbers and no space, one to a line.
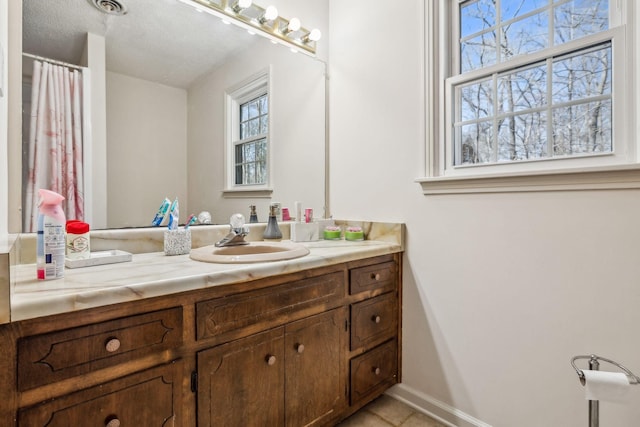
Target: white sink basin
(253,252)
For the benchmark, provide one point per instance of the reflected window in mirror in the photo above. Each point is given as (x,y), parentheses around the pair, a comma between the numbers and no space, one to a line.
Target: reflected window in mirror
(248,127)
(251,149)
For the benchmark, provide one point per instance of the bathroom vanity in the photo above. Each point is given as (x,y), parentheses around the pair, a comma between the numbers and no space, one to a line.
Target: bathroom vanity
(291,343)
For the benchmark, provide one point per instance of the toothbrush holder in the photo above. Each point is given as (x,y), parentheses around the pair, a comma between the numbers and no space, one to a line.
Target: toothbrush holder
(177,242)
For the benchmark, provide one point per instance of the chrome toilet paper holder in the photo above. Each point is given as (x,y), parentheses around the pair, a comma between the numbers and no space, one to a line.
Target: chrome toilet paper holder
(594,365)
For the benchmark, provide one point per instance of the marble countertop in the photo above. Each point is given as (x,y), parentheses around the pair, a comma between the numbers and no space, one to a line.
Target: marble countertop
(154,274)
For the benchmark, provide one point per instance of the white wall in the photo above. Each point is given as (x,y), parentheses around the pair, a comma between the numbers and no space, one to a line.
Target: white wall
(96,180)
(501,290)
(146,150)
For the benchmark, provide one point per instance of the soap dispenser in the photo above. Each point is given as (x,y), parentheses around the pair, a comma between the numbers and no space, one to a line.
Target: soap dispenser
(273,231)
(253,216)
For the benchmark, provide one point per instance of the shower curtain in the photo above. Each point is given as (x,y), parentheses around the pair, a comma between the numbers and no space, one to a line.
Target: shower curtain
(55,141)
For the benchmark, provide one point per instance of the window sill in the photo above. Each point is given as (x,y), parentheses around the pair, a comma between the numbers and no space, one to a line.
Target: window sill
(598,178)
(249,193)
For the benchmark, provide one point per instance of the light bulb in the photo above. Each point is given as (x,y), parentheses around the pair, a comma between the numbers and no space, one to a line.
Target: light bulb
(314,35)
(242,4)
(294,25)
(271,13)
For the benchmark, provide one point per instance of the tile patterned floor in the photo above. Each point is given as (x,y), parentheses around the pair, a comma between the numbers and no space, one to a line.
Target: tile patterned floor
(388,412)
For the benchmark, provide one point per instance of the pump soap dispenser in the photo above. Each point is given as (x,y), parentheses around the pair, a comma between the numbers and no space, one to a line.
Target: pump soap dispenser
(273,231)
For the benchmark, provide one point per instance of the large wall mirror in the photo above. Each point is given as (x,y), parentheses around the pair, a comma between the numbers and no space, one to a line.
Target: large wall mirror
(158,105)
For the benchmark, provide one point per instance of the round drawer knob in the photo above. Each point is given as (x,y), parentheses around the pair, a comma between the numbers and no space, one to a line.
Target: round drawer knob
(112,422)
(271,360)
(113,344)
(300,348)
(375,276)
(376,371)
(376,319)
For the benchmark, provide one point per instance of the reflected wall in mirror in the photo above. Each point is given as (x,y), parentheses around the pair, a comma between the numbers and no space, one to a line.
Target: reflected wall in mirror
(159,76)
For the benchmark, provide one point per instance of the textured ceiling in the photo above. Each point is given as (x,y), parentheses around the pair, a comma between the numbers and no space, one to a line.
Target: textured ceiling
(164,41)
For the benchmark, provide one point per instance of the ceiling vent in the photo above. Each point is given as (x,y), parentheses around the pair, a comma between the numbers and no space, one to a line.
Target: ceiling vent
(112,7)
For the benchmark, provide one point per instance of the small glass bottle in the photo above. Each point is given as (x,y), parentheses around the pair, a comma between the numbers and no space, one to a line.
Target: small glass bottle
(253,216)
(273,231)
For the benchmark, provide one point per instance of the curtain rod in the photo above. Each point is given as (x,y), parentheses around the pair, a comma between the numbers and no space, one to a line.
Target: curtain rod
(52,61)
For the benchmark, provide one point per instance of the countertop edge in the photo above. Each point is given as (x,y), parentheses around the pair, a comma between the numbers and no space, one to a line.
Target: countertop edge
(155,275)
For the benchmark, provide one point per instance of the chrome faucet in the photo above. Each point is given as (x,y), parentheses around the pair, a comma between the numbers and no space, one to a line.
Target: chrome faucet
(237,233)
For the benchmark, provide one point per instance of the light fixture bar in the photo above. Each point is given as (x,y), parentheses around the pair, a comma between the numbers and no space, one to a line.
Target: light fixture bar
(251,19)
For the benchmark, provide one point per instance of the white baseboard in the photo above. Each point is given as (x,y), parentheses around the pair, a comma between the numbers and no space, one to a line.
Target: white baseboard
(440,411)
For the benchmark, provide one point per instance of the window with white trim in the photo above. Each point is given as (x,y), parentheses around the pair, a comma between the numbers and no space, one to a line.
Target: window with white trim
(528,86)
(248,134)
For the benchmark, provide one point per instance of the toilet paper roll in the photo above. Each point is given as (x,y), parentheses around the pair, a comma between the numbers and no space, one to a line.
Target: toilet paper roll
(606,386)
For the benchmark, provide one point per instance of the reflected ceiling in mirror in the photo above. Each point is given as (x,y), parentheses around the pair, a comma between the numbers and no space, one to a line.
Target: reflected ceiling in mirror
(163,41)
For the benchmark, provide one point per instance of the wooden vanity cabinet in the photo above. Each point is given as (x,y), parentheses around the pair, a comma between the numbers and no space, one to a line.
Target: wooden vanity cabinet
(148,398)
(91,368)
(307,348)
(289,376)
(242,383)
(375,329)
(51,357)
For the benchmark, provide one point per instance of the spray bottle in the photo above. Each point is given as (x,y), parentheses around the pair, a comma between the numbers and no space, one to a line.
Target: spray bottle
(51,236)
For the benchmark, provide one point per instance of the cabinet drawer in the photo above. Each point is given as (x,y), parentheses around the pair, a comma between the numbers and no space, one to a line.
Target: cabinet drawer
(374,371)
(222,315)
(43,359)
(374,321)
(378,276)
(149,398)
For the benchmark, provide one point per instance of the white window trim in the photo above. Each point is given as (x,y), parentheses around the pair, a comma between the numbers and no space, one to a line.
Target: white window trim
(560,175)
(236,95)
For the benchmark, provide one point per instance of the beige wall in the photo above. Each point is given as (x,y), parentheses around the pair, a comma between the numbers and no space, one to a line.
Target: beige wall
(501,290)
(13,143)
(146,150)
(4,165)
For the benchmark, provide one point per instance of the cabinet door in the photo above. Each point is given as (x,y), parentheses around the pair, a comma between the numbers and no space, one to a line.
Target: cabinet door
(150,398)
(242,383)
(315,368)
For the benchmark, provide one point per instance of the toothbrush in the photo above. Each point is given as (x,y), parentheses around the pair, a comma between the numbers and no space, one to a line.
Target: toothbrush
(173,215)
(191,220)
(162,212)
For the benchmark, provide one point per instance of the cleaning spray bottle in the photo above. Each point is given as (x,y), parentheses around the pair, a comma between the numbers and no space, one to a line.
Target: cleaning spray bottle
(51,236)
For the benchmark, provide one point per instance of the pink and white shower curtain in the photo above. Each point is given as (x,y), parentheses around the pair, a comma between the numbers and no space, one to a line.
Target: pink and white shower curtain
(55,141)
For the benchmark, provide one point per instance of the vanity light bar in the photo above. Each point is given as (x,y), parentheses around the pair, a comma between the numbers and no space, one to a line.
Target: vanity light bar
(255,19)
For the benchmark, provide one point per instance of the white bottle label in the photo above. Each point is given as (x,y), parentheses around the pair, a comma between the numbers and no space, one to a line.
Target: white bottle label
(54,243)
(78,246)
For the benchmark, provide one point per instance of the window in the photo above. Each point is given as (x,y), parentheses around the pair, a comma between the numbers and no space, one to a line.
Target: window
(528,86)
(248,118)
